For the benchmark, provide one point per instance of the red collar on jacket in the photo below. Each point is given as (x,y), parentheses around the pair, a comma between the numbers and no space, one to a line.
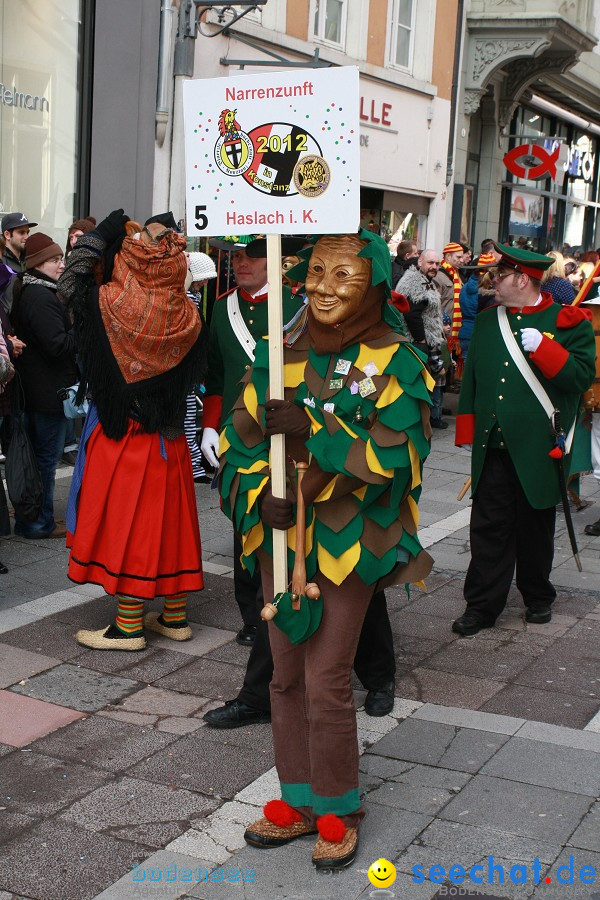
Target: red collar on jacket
(260,298)
(546,302)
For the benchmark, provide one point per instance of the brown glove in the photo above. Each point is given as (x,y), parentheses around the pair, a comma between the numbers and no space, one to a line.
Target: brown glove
(275,511)
(284,417)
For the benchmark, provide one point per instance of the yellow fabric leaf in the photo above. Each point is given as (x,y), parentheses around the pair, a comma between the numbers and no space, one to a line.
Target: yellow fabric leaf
(253,494)
(293,373)
(251,400)
(421,584)
(327,491)
(429,381)
(414,508)
(347,428)
(415,463)
(381,357)
(316,426)
(255,467)
(390,393)
(224,444)
(374,464)
(338,569)
(253,539)
(360,492)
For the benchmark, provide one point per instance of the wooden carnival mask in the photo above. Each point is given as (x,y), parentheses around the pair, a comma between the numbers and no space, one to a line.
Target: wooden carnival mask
(287,263)
(338,279)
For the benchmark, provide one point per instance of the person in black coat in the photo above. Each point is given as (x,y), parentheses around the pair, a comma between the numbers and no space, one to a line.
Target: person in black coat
(46,366)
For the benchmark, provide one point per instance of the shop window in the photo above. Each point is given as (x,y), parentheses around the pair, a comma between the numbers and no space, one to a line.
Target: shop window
(329,21)
(402,33)
(39,139)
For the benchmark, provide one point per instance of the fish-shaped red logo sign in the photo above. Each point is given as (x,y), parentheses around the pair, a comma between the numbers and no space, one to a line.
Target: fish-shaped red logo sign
(532,161)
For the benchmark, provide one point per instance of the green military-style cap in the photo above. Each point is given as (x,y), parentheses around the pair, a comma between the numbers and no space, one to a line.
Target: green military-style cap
(526,261)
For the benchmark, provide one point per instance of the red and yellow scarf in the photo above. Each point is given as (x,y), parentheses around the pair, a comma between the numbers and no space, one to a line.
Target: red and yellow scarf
(456,285)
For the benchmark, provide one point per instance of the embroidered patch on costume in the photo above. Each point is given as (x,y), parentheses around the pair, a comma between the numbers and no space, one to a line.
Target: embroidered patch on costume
(310,401)
(549,335)
(329,407)
(342,367)
(371,369)
(336,384)
(354,387)
(366,387)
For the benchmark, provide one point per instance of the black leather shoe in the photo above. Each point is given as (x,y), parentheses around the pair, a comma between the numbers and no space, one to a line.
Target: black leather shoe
(469,623)
(381,701)
(539,615)
(3,569)
(245,637)
(593,529)
(438,423)
(446,411)
(235,714)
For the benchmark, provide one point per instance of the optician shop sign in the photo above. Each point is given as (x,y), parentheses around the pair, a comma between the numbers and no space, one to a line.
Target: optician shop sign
(549,160)
(10,96)
(274,152)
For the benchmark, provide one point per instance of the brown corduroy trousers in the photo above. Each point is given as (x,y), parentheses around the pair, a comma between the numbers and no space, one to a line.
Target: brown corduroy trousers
(312,705)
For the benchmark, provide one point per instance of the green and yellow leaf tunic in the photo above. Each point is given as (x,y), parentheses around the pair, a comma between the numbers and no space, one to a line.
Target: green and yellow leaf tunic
(373,446)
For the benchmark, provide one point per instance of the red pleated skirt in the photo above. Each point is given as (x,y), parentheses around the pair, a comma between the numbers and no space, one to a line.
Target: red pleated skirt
(137,526)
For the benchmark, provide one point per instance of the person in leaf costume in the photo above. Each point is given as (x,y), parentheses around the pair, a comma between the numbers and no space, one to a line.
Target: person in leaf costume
(356,409)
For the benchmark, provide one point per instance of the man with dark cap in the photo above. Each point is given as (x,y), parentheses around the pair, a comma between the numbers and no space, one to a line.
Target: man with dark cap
(15,231)
(527,355)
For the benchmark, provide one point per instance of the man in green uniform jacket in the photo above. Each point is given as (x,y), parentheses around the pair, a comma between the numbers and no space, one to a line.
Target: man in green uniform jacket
(238,321)
(515,473)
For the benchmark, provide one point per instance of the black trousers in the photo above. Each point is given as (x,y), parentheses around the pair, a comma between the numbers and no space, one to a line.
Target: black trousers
(374,662)
(507,532)
(247,587)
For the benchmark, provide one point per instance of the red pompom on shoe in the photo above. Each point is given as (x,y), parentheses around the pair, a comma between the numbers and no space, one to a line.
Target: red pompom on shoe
(556,453)
(331,828)
(281,813)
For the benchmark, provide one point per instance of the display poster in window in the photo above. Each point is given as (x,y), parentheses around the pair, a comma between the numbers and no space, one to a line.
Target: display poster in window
(273,153)
(526,214)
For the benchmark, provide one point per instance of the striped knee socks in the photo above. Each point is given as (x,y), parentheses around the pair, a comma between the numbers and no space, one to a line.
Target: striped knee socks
(174,613)
(130,616)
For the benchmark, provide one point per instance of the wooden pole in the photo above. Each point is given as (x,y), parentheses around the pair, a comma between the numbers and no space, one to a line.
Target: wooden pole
(464,488)
(275,309)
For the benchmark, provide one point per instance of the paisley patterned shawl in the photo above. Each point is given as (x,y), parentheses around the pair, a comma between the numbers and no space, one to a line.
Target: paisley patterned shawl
(150,324)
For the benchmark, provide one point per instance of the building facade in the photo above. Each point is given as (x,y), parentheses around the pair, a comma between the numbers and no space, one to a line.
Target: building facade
(528,124)
(77,108)
(405,53)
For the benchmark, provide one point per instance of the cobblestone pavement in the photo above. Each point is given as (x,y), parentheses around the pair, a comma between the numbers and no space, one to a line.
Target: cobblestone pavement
(111,786)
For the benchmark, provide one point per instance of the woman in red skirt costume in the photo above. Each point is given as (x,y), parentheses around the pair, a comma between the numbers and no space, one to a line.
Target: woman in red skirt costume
(132,524)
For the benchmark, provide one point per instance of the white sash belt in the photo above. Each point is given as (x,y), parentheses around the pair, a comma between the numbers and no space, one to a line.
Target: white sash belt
(528,373)
(240,329)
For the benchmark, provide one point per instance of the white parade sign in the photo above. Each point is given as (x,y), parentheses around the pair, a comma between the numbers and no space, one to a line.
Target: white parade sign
(274,153)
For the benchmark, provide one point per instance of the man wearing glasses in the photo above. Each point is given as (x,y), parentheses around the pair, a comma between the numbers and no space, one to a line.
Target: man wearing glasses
(522,348)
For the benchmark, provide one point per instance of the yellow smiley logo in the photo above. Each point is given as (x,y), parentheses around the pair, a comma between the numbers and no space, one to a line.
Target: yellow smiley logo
(381,873)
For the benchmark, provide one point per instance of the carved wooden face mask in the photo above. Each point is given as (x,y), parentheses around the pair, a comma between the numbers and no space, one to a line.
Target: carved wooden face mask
(337,279)
(287,263)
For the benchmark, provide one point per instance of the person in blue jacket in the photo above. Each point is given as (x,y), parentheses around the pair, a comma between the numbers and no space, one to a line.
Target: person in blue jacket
(475,295)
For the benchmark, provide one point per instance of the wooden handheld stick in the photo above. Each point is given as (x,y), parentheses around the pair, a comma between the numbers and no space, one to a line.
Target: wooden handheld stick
(299,573)
(464,488)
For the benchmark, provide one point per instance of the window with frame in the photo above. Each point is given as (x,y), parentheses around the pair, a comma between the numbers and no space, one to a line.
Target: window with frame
(402,32)
(330,20)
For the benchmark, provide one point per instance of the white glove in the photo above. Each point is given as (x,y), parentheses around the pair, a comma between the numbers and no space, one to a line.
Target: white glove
(531,339)
(210,446)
